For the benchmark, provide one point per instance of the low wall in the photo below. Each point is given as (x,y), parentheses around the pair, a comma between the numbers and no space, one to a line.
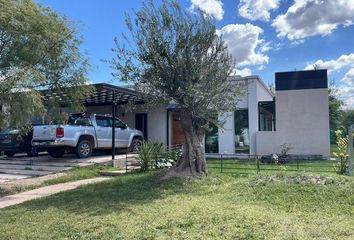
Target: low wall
(270,142)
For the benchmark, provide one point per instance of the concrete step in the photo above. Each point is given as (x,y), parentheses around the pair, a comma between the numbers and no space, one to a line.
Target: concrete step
(133,164)
(33,167)
(6,177)
(49,163)
(25,172)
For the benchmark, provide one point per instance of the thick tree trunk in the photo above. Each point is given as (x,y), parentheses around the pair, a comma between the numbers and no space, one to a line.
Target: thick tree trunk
(192,162)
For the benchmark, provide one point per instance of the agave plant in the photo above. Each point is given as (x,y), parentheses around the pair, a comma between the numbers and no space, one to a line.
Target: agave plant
(149,153)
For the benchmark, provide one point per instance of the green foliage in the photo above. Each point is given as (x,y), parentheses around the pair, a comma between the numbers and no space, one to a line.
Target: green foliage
(149,152)
(177,56)
(219,206)
(167,159)
(152,155)
(335,106)
(39,49)
(341,153)
(347,118)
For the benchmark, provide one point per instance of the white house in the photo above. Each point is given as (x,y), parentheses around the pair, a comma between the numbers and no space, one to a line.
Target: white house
(297,114)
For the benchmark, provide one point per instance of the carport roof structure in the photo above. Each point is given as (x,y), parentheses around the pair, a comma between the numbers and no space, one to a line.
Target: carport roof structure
(106,93)
(102,94)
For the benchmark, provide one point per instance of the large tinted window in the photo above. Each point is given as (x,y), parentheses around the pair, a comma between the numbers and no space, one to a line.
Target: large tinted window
(242,142)
(212,140)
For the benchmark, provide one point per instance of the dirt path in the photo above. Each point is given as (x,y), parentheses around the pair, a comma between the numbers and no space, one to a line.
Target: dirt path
(45,191)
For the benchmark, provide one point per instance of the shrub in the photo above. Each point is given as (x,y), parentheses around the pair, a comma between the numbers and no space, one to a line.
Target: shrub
(149,152)
(285,148)
(168,159)
(342,165)
(152,155)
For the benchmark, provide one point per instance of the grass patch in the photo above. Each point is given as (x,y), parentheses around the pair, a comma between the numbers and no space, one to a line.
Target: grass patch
(333,149)
(249,166)
(74,174)
(79,173)
(220,206)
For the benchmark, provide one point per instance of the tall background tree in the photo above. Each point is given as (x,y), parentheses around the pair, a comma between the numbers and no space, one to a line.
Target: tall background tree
(39,49)
(335,106)
(174,55)
(347,118)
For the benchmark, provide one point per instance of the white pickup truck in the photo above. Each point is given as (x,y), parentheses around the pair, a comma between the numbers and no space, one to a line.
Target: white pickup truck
(83,133)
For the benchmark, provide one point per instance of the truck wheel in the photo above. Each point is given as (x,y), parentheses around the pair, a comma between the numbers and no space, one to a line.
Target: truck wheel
(134,146)
(9,154)
(56,152)
(33,152)
(84,149)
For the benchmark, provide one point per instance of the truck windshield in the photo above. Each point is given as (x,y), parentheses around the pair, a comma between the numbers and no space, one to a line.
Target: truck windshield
(79,120)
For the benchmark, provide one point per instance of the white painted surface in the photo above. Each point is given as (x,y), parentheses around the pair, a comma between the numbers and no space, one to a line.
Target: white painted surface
(252,114)
(157,124)
(226,134)
(302,119)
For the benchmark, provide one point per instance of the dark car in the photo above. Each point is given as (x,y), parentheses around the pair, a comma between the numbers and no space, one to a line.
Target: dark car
(12,142)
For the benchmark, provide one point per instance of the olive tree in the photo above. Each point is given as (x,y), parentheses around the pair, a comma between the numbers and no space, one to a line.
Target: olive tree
(174,55)
(39,50)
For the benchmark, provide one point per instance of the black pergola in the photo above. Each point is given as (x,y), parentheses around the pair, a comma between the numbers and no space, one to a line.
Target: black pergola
(103,94)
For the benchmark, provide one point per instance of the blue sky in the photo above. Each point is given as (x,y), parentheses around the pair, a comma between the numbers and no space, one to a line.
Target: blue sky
(265,36)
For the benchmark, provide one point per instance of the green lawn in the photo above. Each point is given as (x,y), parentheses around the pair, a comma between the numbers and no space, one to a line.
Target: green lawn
(249,166)
(220,206)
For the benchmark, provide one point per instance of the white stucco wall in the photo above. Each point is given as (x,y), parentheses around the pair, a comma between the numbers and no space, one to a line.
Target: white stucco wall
(302,119)
(252,114)
(157,124)
(226,134)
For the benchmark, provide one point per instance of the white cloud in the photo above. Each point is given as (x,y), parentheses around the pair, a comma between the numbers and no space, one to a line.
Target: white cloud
(209,7)
(332,65)
(242,41)
(307,18)
(346,89)
(348,78)
(244,72)
(257,9)
(346,84)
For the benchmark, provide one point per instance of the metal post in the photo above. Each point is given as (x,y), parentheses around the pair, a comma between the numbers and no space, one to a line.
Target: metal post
(221,163)
(126,162)
(350,149)
(257,164)
(113,128)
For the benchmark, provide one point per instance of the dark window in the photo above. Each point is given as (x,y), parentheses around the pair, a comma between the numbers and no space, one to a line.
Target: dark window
(242,141)
(266,113)
(141,123)
(266,121)
(103,121)
(119,123)
(212,140)
(83,121)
